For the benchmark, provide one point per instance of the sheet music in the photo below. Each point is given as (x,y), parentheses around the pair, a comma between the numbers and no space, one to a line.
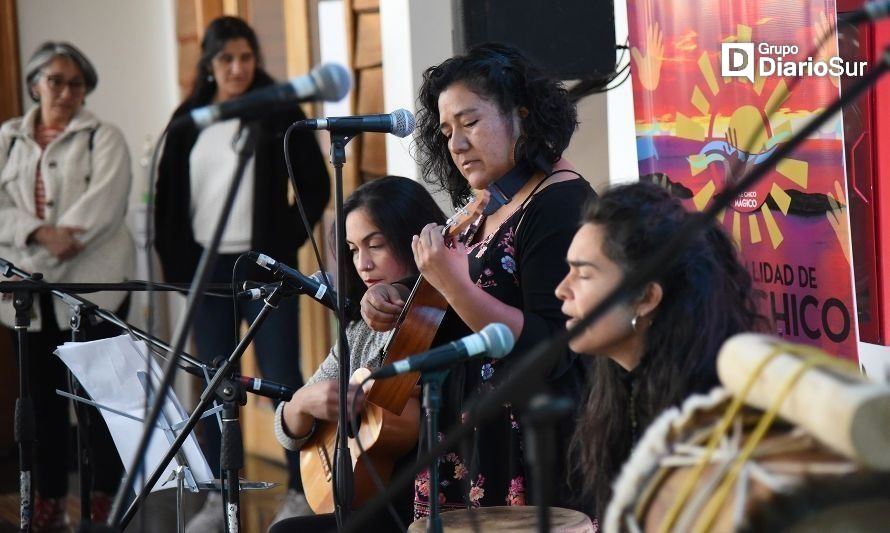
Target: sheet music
(109,371)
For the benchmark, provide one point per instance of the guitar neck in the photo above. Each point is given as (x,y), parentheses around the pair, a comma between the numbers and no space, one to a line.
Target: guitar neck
(414,333)
(420,320)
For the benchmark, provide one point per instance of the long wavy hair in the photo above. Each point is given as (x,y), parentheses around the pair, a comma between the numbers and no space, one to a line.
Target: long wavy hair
(707,298)
(399,207)
(220,31)
(503,75)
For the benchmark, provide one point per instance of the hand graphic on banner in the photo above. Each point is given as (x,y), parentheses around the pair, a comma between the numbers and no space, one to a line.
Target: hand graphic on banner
(649,66)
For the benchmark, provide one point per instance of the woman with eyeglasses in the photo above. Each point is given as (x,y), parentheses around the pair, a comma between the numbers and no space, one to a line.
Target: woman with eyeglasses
(64,185)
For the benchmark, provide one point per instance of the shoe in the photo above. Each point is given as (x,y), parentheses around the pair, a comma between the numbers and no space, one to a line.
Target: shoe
(210,519)
(50,515)
(293,504)
(100,506)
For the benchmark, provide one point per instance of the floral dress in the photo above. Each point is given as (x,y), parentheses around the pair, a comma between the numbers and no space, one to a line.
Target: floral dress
(520,263)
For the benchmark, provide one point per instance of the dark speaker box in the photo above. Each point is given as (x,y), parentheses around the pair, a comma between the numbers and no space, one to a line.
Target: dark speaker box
(570,39)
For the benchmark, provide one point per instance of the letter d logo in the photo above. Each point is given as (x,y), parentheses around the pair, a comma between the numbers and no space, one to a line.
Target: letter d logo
(737,60)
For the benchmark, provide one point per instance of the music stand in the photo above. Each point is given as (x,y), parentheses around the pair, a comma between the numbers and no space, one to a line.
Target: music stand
(112,372)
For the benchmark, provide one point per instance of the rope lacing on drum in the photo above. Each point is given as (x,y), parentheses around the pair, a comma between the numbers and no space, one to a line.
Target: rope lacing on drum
(730,471)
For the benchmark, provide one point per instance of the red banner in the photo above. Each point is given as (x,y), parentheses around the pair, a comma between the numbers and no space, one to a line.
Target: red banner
(714,96)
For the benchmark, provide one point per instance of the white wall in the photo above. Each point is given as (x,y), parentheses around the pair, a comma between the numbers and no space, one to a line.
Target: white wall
(132,45)
(416,34)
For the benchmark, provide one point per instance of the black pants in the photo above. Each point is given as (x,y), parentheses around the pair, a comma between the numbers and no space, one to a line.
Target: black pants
(52,422)
(276,347)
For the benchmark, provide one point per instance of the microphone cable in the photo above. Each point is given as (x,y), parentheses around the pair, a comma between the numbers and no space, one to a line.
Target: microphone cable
(299,201)
(372,471)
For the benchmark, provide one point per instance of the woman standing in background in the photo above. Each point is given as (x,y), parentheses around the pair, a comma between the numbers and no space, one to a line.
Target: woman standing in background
(65,181)
(193,176)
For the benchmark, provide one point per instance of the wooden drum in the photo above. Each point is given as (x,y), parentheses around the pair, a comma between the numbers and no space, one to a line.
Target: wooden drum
(788,482)
(512,518)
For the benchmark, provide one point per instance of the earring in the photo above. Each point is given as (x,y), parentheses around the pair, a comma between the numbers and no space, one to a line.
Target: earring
(633,323)
(210,78)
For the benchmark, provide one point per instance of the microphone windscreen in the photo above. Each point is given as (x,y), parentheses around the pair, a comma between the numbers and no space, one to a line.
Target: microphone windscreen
(332,80)
(403,122)
(499,339)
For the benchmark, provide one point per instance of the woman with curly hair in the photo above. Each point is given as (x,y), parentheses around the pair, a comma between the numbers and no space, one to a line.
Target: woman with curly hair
(656,348)
(492,120)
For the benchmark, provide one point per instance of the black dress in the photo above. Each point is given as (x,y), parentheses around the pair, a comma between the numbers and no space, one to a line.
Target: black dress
(520,263)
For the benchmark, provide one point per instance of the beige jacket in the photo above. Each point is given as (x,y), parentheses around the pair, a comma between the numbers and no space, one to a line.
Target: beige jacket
(87,188)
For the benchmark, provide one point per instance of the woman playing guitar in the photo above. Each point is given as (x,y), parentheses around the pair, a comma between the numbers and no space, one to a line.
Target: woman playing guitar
(381,217)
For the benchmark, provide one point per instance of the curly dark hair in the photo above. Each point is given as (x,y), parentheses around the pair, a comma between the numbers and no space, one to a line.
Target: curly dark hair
(400,207)
(706,298)
(505,76)
(220,31)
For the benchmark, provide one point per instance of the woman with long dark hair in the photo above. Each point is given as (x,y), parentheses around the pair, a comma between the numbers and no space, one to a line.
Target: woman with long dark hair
(381,217)
(655,349)
(194,174)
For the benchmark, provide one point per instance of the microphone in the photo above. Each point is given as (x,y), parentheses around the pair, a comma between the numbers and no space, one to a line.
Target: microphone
(495,340)
(266,388)
(328,82)
(256,291)
(310,286)
(400,123)
(261,387)
(871,11)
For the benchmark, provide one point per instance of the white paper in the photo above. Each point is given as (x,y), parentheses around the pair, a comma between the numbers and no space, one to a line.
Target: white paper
(108,370)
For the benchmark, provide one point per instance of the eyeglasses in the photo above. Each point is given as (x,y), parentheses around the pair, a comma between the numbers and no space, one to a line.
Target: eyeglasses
(57,83)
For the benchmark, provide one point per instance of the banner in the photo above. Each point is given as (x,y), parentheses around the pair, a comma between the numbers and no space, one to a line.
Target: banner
(714,96)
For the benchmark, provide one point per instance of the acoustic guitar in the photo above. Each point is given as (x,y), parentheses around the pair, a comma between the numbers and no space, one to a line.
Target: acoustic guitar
(389,424)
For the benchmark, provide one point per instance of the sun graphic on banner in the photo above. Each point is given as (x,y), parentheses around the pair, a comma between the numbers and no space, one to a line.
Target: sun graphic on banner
(735,144)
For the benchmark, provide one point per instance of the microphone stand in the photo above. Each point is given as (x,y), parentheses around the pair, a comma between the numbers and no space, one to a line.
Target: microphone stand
(231,390)
(343,478)
(82,415)
(23,299)
(24,406)
(540,420)
(533,364)
(118,518)
(432,398)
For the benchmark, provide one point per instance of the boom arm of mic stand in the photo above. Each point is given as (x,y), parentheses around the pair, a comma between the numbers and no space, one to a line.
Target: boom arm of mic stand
(534,363)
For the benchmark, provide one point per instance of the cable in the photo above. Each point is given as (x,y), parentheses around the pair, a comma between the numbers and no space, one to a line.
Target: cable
(298,199)
(586,87)
(375,476)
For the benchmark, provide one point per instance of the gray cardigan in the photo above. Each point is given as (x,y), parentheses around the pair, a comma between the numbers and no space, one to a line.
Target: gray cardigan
(366,351)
